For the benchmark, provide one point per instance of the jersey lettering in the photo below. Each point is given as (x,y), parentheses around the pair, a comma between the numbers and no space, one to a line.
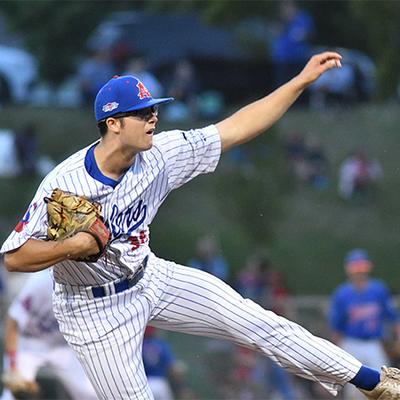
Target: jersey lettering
(136,241)
(126,222)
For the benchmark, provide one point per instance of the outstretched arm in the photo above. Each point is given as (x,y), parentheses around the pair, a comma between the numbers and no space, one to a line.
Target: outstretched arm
(255,118)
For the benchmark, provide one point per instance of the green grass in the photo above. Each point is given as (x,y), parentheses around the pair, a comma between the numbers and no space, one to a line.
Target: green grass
(305,232)
(318,228)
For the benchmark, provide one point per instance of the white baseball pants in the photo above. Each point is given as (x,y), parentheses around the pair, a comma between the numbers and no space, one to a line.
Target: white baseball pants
(106,333)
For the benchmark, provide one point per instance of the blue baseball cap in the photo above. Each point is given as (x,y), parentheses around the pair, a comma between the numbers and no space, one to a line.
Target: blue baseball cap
(357,260)
(122,94)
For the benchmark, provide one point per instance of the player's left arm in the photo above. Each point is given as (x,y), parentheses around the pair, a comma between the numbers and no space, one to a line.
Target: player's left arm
(255,118)
(10,342)
(390,311)
(337,318)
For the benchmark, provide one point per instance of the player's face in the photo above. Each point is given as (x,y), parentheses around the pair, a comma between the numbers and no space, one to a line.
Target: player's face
(138,127)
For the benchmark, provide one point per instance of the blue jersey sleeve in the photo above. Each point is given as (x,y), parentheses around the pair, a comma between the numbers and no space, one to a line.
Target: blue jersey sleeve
(389,309)
(337,315)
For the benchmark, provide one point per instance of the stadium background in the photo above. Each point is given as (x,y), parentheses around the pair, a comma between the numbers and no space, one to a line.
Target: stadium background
(303,231)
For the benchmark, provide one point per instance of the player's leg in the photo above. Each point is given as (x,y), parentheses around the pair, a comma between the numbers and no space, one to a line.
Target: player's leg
(106,334)
(198,303)
(160,388)
(70,372)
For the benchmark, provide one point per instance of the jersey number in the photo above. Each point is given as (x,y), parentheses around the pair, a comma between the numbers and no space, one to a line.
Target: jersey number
(136,241)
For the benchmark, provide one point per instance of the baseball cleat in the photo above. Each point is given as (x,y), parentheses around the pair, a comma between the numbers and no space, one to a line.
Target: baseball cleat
(388,388)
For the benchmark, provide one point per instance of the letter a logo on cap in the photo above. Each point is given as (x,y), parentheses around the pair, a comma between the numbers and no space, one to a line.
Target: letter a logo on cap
(143,92)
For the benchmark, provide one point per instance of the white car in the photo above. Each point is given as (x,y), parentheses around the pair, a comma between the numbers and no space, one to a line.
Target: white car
(18,70)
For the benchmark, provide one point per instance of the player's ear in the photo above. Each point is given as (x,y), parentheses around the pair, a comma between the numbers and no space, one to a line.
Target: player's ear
(114,124)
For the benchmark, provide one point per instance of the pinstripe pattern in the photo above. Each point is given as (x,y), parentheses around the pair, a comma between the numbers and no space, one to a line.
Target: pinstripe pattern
(107,332)
(198,303)
(186,300)
(128,208)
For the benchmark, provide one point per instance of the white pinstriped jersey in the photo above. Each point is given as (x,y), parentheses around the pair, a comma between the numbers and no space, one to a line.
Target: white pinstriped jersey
(106,331)
(128,206)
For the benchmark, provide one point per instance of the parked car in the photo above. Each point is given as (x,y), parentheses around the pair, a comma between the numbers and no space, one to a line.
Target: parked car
(18,71)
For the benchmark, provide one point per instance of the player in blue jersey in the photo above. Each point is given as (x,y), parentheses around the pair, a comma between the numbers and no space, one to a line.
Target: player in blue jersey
(360,308)
(164,372)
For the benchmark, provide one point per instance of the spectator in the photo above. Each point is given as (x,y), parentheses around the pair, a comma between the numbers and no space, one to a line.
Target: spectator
(307,160)
(251,281)
(276,300)
(358,312)
(291,45)
(185,89)
(317,165)
(209,259)
(32,340)
(94,71)
(164,372)
(261,282)
(8,154)
(295,149)
(138,67)
(246,382)
(26,149)
(358,175)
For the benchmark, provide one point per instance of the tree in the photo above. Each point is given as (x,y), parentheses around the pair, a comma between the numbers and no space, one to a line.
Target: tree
(56,31)
(379,22)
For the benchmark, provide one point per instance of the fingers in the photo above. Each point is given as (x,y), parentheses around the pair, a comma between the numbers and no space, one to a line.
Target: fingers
(328,60)
(328,55)
(334,63)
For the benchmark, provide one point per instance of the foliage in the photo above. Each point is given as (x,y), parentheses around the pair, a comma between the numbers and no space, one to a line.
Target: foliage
(381,30)
(304,231)
(56,31)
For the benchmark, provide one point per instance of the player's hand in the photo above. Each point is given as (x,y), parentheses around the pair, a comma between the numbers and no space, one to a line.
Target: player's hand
(317,65)
(83,245)
(20,387)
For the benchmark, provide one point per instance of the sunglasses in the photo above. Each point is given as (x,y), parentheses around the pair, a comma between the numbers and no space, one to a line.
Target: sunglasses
(144,114)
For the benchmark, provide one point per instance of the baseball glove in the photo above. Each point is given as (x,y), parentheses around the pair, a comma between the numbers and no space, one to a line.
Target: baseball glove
(20,387)
(68,214)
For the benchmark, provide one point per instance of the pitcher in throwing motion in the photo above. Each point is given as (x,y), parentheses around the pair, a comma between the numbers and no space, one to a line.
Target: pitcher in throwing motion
(103,307)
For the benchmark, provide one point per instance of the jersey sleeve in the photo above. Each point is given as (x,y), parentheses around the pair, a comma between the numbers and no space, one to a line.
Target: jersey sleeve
(336,315)
(168,356)
(389,308)
(32,225)
(189,153)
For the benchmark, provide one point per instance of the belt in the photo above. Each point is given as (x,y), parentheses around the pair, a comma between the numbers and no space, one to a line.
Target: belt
(120,286)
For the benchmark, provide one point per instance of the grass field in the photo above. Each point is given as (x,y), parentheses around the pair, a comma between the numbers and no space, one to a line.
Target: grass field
(304,231)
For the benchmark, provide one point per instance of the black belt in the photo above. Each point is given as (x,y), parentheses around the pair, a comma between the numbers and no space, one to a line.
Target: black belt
(120,286)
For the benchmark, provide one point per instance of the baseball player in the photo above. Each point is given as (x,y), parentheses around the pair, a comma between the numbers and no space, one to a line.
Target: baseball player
(161,366)
(33,340)
(104,306)
(359,310)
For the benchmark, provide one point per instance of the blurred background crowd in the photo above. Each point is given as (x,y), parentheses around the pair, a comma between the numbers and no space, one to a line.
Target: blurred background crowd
(299,221)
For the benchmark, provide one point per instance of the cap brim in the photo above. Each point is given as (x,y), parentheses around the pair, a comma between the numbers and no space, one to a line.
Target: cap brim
(151,102)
